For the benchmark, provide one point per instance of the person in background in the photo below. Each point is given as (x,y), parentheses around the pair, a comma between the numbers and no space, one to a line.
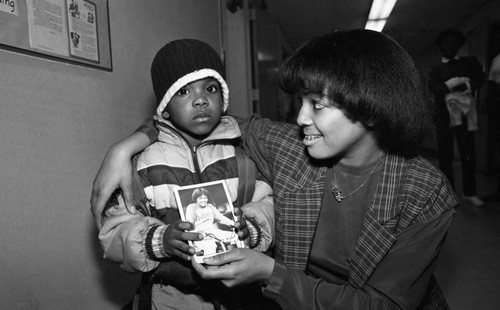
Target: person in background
(360,217)
(195,144)
(454,83)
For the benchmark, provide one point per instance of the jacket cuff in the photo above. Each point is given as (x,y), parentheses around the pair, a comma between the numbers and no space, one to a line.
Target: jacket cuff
(153,243)
(272,287)
(255,233)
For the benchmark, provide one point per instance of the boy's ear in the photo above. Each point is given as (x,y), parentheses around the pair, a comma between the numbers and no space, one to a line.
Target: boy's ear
(165,114)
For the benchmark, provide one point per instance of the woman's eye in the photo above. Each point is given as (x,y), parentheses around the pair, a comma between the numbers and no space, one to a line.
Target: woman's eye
(318,105)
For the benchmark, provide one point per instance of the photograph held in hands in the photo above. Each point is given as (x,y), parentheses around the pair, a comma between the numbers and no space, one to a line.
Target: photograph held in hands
(208,206)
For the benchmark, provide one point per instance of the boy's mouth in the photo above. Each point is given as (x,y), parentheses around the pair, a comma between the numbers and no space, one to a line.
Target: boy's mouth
(202,116)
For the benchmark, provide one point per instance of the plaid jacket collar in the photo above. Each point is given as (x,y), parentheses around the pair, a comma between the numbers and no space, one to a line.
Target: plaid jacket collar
(365,258)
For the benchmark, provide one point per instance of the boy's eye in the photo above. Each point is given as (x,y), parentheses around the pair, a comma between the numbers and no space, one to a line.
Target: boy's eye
(212,88)
(182,92)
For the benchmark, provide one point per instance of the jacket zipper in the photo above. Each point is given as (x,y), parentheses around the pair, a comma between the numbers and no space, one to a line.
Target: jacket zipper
(194,153)
(194,156)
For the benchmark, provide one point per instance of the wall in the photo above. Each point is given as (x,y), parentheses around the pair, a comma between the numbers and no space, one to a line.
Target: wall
(56,123)
(272,48)
(252,27)
(235,32)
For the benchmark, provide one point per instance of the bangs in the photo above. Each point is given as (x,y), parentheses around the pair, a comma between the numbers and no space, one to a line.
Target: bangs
(324,67)
(300,76)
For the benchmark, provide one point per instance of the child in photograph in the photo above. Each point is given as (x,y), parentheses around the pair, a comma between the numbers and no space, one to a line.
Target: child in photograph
(204,214)
(195,145)
(216,227)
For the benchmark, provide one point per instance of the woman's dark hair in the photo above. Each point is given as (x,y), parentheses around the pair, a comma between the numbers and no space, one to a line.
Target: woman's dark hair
(201,191)
(372,78)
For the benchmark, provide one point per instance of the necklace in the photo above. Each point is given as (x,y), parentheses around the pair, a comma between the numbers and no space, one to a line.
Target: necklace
(337,192)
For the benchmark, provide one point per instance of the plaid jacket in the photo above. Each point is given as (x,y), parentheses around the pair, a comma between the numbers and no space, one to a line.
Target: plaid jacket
(411,191)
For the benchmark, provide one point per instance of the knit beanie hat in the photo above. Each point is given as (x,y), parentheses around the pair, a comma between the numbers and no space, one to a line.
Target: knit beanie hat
(181,62)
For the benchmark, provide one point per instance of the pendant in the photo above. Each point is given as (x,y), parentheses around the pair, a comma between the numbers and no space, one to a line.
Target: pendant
(337,193)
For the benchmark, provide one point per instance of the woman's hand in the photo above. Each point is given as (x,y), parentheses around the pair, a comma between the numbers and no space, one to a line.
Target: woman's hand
(236,267)
(116,173)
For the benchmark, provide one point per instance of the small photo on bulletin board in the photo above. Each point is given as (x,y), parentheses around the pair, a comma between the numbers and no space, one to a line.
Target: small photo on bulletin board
(72,31)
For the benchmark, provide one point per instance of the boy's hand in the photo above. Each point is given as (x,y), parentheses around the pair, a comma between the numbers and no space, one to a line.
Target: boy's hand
(175,240)
(240,224)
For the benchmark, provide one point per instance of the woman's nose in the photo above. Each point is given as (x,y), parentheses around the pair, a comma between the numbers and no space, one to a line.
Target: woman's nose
(303,119)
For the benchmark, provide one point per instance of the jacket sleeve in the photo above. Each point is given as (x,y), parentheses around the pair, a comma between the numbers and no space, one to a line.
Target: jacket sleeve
(253,140)
(122,238)
(436,82)
(148,127)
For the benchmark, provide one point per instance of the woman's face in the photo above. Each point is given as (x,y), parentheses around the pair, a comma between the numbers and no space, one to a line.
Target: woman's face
(328,132)
(202,200)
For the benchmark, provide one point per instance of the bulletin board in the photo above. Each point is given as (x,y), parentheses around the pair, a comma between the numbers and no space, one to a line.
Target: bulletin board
(72,31)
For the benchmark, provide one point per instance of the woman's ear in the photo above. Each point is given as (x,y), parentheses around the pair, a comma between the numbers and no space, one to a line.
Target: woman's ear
(370,124)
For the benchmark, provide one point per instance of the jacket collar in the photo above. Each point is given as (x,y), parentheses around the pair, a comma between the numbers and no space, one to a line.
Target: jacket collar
(227,129)
(383,208)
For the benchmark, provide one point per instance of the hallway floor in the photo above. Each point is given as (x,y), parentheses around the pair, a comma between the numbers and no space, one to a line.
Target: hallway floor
(469,268)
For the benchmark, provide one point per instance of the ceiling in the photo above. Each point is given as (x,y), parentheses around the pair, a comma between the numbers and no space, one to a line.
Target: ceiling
(413,23)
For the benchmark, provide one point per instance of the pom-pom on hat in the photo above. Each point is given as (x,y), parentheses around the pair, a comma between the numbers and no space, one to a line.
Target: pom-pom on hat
(181,62)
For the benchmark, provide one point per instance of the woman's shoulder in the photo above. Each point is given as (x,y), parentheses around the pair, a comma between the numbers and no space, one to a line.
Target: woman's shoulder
(420,166)
(426,189)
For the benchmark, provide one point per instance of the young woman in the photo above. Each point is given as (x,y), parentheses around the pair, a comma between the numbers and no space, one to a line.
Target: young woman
(360,218)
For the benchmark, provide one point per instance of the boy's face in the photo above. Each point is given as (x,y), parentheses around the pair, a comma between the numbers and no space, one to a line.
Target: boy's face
(196,109)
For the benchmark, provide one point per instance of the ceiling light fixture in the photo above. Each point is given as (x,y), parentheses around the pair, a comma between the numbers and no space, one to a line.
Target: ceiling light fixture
(379,13)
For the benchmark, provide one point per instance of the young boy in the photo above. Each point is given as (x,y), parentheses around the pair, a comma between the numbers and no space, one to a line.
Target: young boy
(195,145)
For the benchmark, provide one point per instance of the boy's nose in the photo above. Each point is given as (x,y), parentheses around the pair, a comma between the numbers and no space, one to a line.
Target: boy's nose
(200,101)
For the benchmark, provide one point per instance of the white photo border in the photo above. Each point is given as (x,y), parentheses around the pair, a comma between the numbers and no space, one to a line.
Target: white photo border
(217,240)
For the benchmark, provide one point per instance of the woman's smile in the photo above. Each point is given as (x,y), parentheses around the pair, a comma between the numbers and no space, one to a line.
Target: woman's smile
(309,139)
